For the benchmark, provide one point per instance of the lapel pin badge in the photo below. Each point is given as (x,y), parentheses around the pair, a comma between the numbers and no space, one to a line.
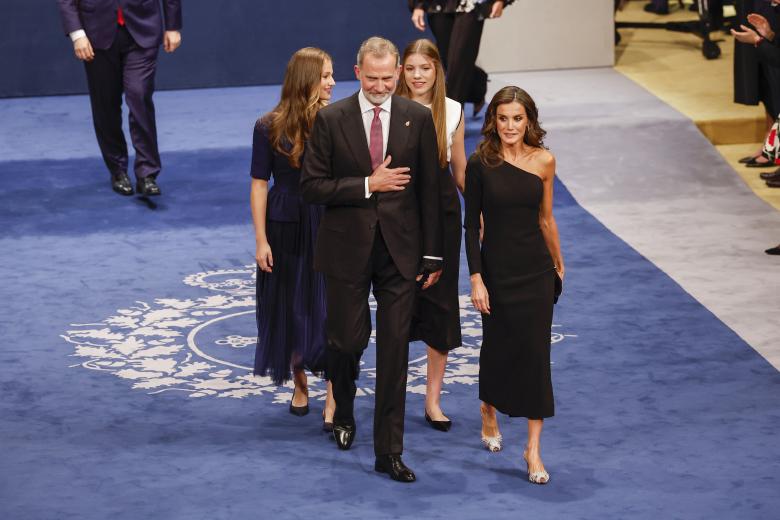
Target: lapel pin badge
(407,123)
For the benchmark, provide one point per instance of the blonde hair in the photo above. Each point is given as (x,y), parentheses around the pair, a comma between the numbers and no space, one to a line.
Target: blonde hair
(377,46)
(428,49)
(290,122)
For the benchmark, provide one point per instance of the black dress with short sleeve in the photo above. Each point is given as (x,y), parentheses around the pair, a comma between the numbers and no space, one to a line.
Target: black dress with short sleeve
(290,299)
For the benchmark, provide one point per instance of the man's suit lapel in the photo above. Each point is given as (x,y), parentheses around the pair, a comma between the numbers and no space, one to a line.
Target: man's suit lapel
(355,134)
(399,130)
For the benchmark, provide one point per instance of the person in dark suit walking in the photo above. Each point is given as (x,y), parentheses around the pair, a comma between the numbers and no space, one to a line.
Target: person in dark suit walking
(118,41)
(457,26)
(372,160)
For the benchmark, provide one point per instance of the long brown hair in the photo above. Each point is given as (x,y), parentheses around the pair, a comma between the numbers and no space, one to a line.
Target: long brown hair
(429,50)
(290,122)
(489,149)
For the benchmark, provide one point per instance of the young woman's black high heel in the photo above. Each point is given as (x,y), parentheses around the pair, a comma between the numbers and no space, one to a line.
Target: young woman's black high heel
(300,411)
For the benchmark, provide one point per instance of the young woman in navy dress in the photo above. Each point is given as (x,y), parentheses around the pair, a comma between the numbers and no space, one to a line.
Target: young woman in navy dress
(290,294)
(436,319)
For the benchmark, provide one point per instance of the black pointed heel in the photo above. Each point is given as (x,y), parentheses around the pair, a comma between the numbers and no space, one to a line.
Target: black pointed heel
(442,426)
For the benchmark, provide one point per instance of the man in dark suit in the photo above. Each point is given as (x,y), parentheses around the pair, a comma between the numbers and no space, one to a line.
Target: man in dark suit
(118,41)
(372,161)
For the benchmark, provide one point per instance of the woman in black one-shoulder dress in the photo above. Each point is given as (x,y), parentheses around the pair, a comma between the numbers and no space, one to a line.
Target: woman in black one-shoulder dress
(514,270)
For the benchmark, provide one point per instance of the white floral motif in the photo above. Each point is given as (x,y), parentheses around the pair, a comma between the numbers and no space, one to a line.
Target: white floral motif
(236,341)
(155,345)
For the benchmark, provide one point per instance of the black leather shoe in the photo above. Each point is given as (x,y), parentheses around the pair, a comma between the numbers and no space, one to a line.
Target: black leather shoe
(755,163)
(773,250)
(300,411)
(147,186)
(395,467)
(770,176)
(344,435)
(442,426)
(773,183)
(121,184)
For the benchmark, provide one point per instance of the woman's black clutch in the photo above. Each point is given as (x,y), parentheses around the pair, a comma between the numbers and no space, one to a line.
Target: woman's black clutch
(558,287)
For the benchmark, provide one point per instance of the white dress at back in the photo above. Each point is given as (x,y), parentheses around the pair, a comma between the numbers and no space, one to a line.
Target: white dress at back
(453,110)
(452,119)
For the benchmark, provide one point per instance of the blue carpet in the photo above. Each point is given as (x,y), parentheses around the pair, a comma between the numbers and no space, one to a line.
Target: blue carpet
(661,410)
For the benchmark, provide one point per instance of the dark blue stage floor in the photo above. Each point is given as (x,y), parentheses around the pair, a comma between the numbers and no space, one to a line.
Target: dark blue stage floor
(127,338)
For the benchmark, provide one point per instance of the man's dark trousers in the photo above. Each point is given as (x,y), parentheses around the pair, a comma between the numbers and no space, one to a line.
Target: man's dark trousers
(127,68)
(349,329)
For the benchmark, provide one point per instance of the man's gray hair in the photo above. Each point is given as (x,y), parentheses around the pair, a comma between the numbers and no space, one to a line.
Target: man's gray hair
(379,47)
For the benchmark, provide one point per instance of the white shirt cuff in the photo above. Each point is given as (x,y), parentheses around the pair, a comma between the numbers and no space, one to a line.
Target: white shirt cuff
(434,258)
(75,35)
(368,193)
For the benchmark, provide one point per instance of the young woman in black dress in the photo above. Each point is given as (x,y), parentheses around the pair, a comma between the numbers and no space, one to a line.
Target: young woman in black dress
(436,319)
(290,294)
(509,180)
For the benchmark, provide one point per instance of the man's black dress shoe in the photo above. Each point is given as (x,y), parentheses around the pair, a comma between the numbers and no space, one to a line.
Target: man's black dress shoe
(395,467)
(121,184)
(773,250)
(773,183)
(442,426)
(300,411)
(344,435)
(770,176)
(147,186)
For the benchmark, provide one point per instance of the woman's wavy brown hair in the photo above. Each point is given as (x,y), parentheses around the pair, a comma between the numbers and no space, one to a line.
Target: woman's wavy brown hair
(429,50)
(289,124)
(489,149)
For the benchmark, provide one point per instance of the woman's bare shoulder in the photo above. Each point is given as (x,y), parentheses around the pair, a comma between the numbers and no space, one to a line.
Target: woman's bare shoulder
(544,161)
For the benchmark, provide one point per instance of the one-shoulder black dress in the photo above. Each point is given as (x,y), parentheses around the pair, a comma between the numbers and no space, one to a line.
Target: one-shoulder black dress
(518,271)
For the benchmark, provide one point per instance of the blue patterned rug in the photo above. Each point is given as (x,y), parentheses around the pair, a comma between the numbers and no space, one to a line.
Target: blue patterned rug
(126,390)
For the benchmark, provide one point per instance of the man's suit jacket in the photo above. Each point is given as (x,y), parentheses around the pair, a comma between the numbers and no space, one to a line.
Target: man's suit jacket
(143,18)
(335,166)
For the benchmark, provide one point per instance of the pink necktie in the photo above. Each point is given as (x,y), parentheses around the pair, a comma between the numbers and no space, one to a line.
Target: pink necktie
(375,144)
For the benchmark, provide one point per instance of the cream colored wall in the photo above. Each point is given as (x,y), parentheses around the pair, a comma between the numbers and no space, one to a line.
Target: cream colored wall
(549,34)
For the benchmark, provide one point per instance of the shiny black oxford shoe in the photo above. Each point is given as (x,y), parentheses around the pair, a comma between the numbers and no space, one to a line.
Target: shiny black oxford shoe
(121,184)
(395,467)
(147,186)
(344,435)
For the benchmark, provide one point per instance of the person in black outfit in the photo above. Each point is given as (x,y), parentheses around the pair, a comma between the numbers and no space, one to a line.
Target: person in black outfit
(457,26)
(767,52)
(436,317)
(515,270)
(381,230)
(767,46)
(755,80)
